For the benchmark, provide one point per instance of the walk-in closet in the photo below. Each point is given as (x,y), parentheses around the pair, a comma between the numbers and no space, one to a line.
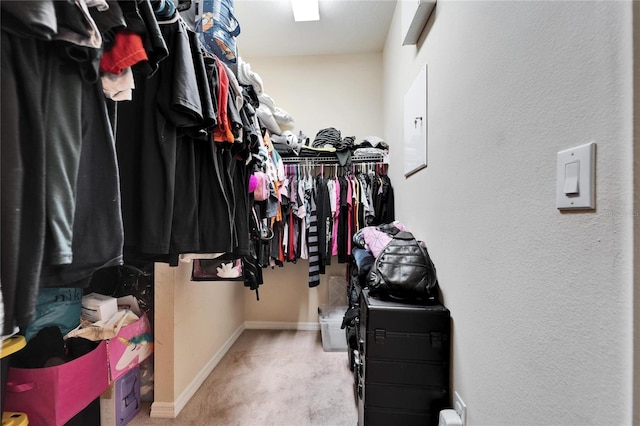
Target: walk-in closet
(191,189)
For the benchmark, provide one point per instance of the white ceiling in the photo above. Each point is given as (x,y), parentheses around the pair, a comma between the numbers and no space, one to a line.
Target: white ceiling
(345,26)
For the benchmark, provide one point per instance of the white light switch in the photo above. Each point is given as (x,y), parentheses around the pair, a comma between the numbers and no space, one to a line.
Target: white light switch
(576,178)
(571,175)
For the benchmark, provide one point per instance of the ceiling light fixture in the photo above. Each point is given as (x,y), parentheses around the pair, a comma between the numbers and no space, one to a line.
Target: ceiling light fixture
(305,10)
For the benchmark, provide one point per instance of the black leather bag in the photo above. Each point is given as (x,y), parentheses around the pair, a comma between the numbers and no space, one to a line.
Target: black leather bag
(404,270)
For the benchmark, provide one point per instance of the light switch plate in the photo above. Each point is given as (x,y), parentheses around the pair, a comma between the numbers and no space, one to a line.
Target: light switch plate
(580,159)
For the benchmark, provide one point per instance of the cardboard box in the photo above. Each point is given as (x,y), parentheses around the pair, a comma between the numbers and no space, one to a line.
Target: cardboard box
(121,402)
(98,307)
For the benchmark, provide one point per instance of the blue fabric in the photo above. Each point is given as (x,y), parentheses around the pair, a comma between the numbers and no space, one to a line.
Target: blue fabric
(59,307)
(218,28)
(362,256)
(364,261)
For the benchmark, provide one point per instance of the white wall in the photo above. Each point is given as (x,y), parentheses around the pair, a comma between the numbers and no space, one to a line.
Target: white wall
(541,300)
(636,193)
(195,323)
(341,91)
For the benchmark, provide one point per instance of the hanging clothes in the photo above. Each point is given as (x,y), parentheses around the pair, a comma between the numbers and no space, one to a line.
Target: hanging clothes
(101,177)
(187,194)
(60,198)
(383,200)
(323,214)
(316,217)
(25,63)
(343,221)
(165,102)
(314,247)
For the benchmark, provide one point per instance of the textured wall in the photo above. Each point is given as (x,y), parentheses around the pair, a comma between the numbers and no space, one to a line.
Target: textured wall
(541,300)
(636,192)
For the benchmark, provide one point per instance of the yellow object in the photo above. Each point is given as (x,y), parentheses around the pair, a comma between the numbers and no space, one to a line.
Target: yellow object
(14,419)
(11,345)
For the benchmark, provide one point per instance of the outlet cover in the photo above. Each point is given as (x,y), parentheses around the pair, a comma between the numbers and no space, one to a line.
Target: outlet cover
(460,407)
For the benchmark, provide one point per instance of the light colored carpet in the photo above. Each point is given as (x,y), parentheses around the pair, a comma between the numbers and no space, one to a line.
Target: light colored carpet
(271,377)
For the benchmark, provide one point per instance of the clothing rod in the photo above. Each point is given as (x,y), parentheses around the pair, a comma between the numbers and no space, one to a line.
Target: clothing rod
(325,159)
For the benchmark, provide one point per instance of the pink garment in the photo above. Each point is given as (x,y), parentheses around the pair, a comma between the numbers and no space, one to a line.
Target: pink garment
(334,244)
(350,230)
(376,240)
(302,214)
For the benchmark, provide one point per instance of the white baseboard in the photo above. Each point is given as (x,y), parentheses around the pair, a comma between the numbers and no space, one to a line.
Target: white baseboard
(170,410)
(275,325)
(163,410)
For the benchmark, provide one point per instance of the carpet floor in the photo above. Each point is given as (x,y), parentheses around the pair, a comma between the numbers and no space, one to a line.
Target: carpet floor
(271,377)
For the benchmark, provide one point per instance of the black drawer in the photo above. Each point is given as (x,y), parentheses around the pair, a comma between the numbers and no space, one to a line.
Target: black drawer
(416,374)
(410,398)
(394,316)
(404,332)
(425,347)
(374,416)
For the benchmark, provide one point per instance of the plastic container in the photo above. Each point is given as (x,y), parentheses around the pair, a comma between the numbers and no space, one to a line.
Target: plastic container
(334,338)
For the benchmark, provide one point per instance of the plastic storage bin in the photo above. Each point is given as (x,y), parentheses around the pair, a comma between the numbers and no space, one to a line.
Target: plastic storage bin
(334,339)
(54,395)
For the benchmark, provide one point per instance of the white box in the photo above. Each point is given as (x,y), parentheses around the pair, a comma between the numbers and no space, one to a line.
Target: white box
(98,307)
(334,338)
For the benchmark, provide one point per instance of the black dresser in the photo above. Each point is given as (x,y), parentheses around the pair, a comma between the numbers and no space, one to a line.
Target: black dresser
(401,367)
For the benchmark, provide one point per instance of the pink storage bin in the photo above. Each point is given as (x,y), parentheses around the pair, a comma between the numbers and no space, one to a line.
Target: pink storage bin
(52,396)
